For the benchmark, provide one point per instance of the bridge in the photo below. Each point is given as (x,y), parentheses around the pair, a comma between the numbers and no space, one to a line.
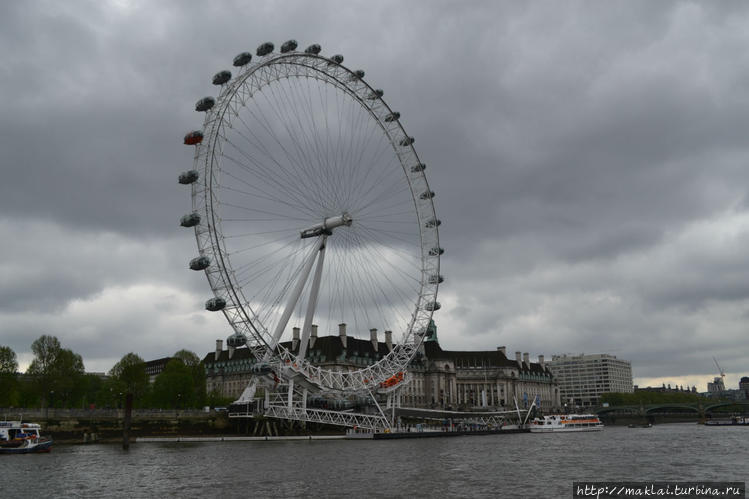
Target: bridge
(700,409)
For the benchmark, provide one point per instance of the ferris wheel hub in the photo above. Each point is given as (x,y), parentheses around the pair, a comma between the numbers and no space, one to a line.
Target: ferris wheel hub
(327,226)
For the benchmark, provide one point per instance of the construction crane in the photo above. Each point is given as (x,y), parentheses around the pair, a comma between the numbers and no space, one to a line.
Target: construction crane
(722,373)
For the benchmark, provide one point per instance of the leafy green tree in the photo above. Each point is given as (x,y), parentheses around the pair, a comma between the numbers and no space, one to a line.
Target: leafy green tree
(174,387)
(8,362)
(57,372)
(8,377)
(46,349)
(197,373)
(129,376)
(92,384)
(68,378)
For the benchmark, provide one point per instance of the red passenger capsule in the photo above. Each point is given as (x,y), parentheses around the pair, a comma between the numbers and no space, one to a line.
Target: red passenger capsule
(194,137)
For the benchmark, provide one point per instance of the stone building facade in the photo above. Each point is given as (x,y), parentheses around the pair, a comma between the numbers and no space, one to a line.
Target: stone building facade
(454,380)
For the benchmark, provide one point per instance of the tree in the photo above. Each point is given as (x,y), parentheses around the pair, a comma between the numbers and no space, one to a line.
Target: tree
(46,349)
(8,378)
(187,357)
(68,380)
(197,373)
(8,362)
(57,372)
(174,387)
(129,375)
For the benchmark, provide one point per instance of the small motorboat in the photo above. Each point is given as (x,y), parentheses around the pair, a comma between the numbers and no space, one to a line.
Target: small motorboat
(17,437)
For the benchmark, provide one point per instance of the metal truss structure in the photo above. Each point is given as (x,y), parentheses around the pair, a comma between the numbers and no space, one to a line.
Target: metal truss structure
(300,145)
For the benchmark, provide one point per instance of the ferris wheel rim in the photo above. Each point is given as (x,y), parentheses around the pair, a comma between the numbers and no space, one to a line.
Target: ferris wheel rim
(240,315)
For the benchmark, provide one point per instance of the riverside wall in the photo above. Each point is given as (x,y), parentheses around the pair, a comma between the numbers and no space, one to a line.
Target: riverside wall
(84,425)
(106,425)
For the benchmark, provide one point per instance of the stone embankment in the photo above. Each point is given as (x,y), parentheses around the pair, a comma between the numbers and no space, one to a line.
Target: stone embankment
(105,425)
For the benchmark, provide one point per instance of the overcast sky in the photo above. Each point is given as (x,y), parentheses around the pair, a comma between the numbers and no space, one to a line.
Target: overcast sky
(590,160)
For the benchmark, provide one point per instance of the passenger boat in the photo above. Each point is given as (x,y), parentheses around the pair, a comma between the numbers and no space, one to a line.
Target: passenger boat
(566,423)
(22,438)
(734,421)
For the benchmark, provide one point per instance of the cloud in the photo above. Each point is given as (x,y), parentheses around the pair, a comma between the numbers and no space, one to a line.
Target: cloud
(589,162)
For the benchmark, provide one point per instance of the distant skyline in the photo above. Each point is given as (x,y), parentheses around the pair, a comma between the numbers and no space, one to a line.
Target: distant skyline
(590,162)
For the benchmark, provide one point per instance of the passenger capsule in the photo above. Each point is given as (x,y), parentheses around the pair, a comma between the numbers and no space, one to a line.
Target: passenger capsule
(432,223)
(215,304)
(313,49)
(418,168)
(221,77)
(264,49)
(236,340)
(205,104)
(433,306)
(194,137)
(436,279)
(358,74)
(288,46)
(242,59)
(376,94)
(188,177)
(190,220)
(262,368)
(407,141)
(436,251)
(427,195)
(336,59)
(394,116)
(200,263)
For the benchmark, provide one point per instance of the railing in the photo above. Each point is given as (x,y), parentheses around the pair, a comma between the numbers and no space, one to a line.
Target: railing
(14,413)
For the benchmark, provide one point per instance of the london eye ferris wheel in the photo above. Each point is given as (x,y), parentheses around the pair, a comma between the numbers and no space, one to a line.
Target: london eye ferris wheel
(311,210)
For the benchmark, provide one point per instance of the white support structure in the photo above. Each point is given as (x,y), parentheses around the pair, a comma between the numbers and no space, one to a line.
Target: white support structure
(312,301)
(372,422)
(292,302)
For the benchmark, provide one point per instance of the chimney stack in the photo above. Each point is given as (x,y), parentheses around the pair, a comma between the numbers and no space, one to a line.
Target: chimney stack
(527,359)
(541,361)
(518,357)
(503,350)
(373,338)
(389,340)
(312,336)
(219,347)
(295,338)
(342,333)
(231,350)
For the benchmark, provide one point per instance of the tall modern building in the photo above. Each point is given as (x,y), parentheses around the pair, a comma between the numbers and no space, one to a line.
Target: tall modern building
(584,378)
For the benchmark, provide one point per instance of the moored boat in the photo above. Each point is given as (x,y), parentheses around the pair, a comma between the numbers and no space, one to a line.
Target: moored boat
(559,423)
(17,437)
(734,421)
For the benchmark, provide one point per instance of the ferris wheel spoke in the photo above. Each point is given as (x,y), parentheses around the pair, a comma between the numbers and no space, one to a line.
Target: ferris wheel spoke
(376,289)
(285,177)
(270,184)
(274,178)
(406,270)
(406,256)
(288,123)
(293,161)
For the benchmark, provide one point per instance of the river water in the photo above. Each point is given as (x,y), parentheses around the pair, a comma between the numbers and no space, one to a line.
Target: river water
(519,465)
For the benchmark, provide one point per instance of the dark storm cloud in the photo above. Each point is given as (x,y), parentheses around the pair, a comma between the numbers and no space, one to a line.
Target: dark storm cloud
(589,163)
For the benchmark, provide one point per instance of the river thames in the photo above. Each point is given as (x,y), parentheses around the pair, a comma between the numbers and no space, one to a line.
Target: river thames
(518,465)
